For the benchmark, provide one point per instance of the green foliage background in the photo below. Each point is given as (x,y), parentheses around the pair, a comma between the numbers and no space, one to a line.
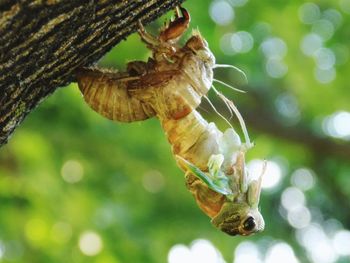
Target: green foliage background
(43,217)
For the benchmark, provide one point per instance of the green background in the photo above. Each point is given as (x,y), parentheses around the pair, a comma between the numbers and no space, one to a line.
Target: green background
(67,171)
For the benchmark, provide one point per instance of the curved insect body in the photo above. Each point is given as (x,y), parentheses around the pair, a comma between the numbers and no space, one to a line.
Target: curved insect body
(170,85)
(215,173)
(106,93)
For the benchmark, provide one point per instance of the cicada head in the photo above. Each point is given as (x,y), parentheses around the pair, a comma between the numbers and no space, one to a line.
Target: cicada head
(239,214)
(239,218)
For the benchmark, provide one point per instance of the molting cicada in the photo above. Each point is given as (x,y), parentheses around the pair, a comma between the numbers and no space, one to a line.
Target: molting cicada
(170,86)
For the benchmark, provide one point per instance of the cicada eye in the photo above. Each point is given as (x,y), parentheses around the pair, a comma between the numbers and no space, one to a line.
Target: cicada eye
(249,224)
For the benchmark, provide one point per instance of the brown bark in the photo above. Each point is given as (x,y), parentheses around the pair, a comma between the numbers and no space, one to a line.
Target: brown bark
(42,43)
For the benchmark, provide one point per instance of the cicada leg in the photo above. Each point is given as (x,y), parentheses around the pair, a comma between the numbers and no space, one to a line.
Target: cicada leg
(177,27)
(160,49)
(146,37)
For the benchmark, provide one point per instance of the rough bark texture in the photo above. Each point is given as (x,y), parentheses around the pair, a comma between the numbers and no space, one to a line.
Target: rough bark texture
(42,43)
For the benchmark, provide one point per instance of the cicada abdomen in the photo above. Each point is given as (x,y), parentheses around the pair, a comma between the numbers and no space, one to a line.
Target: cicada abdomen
(106,92)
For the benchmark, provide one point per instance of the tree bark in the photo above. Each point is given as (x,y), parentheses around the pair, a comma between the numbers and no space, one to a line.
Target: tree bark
(43,42)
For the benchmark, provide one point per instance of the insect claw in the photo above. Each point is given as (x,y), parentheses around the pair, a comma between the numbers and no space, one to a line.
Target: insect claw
(177,12)
(141,27)
(177,27)
(147,37)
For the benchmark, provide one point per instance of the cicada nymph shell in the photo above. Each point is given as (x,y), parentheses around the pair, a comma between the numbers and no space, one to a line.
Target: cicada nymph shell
(170,85)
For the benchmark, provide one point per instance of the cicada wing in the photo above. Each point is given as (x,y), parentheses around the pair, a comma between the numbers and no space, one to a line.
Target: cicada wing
(107,94)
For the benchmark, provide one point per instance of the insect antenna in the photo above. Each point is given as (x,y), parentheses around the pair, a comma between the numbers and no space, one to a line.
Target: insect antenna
(233,67)
(217,112)
(229,86)
(227,105)
(238,115)
(203,109)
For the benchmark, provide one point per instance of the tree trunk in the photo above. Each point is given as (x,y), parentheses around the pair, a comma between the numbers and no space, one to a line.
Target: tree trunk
(42,43)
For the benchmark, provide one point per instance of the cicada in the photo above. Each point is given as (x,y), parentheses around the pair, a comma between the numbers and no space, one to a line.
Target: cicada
(170,86)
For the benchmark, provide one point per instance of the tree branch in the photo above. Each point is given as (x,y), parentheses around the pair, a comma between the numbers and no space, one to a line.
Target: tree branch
(43,42)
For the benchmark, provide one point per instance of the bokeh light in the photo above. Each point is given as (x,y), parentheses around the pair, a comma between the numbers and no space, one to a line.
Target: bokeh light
(242,42)
(325,76)
(303,178)
(274,48)
(309,13)
(334,16)
(325,58)
(221,12)
(341,242)
(311,43)
(90,243)
(323,28)
(247,251)
(292,198)
(299,217)
(204,251)
(239,42)
(72,171)
(37,231)
(153,181)
(317,244)
(337,125)
(272,175)
(276,68)
(294,201)
(200,250)
(280,252)
(287,105)
(179,254)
